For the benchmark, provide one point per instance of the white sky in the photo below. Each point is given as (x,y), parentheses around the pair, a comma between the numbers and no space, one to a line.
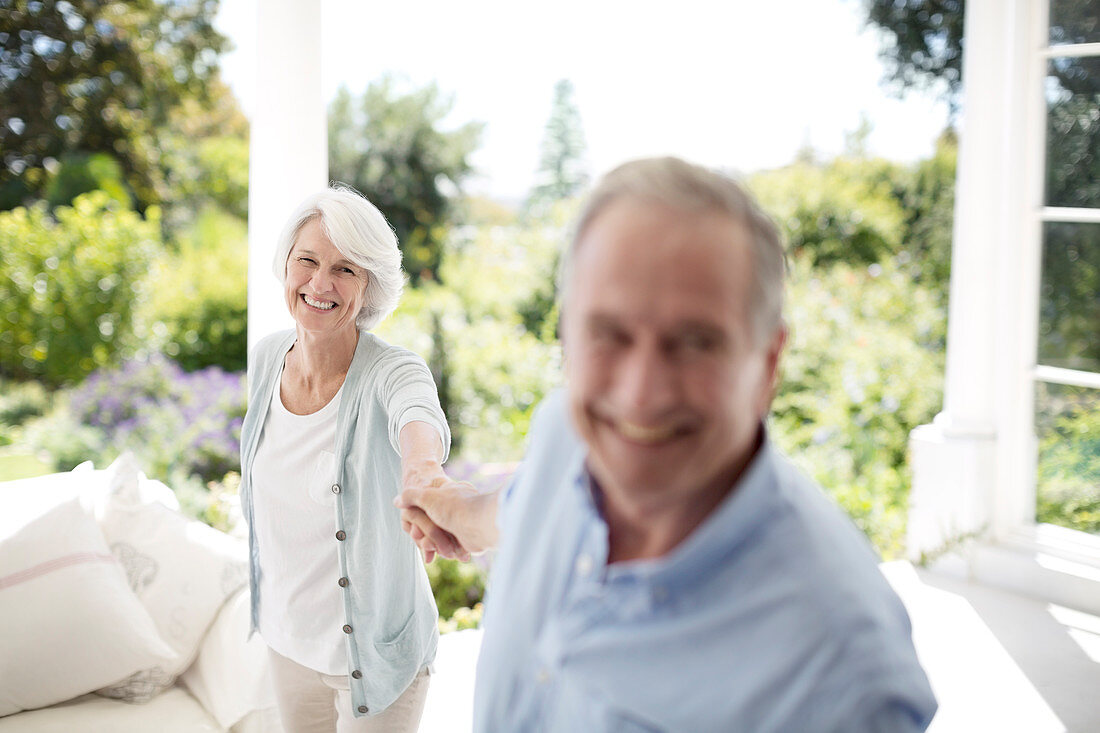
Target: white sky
(713,82)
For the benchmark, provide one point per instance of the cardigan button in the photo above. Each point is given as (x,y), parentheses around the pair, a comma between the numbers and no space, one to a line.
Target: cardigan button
(342,582)
(357,675)
(341,535)
(347,629)
(336,488)
(363,708)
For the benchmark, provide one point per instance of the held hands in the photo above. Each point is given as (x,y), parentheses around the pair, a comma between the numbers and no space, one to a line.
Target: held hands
(429,536)
(447,518)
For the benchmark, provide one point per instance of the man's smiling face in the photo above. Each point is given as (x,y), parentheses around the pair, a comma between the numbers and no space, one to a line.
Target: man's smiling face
(667,381)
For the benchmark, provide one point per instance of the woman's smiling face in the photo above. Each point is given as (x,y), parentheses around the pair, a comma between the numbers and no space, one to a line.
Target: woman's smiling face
(324,289)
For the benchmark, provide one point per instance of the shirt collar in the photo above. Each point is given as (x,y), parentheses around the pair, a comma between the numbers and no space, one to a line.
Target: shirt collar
(726,529)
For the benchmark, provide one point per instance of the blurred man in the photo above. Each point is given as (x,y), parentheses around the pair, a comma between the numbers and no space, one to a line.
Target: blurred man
(661,566)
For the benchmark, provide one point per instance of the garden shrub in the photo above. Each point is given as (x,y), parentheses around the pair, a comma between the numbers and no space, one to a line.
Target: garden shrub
(841,211)
(19,402)
(862,368)
(490,368)
(197,312)
(70,283)
(455,585)
(178,424)
(1068,492)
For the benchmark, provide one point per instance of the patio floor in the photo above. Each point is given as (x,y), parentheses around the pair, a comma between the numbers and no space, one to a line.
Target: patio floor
(997,661)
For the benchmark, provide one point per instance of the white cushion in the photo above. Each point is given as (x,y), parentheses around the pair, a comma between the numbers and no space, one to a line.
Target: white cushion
(172,712)
(181,570)
(231,676)
(70,621)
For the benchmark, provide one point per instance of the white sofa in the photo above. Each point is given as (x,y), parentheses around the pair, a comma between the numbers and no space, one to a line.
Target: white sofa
(120,614)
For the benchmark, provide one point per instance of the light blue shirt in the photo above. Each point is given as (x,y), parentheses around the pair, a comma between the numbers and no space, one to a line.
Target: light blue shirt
(771,616)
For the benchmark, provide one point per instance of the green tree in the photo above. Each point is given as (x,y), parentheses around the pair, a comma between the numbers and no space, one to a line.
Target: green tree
(197,310)
(80,77)
(391,146)
(923,43)
(927,196)
(844,210)
(561,172)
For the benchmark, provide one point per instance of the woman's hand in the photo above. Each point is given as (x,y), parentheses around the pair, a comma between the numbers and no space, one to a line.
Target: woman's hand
(430,537)
(422,476)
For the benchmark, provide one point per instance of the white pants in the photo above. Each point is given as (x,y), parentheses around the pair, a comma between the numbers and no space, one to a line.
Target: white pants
(311,702)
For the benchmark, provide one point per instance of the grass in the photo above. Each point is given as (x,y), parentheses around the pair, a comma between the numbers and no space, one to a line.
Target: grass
(15,465)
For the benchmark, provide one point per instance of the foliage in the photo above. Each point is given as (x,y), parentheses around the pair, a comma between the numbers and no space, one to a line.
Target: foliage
(463,618)
(92,76)
(491,370)
(69,285)
(204,155)
(1073,133)
(455,585)
(561,172)
(19,402)
(1069,459)
(923,42)
(841,211)
(197,310)
(863,367)
(926,193)
(389,145)
(79,173)
(217,504)
(178,424)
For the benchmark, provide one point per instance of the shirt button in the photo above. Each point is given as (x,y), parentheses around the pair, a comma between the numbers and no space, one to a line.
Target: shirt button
(584,565)
(340,535)
(347,629)
(543,676)
(336,488)
(357,675)
(342,582)
(363,708)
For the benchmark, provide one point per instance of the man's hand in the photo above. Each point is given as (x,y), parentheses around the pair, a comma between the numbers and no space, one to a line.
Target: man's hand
(429,536)
(448,518)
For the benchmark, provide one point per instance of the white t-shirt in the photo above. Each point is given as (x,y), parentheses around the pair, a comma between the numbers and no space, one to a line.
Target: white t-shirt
(301,607)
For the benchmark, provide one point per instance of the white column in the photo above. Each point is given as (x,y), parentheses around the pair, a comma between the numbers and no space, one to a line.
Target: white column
(288,146)
(954,459)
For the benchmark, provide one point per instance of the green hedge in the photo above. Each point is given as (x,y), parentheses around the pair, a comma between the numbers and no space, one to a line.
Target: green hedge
(70,283)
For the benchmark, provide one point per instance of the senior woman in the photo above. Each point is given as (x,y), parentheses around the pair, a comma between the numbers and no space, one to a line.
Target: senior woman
(338,420)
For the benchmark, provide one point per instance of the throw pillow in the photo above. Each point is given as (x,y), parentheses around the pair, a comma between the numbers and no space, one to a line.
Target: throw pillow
(181,570)
(231,676)
(70,621)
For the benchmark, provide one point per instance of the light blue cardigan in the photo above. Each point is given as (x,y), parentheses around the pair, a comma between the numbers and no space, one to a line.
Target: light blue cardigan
(388,604)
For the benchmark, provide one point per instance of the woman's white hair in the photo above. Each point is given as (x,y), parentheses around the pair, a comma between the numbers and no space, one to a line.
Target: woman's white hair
(687,187)
(358,229)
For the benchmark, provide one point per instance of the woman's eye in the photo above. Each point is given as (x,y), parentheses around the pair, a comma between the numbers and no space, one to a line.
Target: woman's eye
(306,261)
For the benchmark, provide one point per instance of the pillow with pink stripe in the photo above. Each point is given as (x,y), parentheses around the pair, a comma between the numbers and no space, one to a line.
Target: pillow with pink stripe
(70,622)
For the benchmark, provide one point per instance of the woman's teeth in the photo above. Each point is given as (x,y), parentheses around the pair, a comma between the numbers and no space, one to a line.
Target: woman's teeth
(322,304)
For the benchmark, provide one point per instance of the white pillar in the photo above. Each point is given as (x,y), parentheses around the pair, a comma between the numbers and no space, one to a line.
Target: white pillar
(288,145)
(954,459)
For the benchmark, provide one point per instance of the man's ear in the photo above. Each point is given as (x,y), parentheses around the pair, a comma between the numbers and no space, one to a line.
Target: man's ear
(772,354)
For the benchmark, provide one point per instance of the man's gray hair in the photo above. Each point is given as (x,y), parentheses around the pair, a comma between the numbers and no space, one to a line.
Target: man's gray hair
(358,229)
(694,189)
